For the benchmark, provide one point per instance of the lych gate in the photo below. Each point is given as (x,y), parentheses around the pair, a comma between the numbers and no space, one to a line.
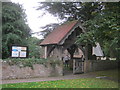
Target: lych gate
(62,41)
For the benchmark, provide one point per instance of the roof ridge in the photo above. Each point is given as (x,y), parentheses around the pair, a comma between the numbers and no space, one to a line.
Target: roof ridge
(67,22)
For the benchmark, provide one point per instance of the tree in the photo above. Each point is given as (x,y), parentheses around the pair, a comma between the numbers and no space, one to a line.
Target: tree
(34,49)
(48,29)
(104,28)
(71,10)
(99,18)
(14,27)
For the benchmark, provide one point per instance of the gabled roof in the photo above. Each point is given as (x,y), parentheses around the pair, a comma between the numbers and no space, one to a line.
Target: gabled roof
(59,33)
(97,50)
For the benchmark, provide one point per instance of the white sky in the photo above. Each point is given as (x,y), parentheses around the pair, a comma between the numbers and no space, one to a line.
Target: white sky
(34,21)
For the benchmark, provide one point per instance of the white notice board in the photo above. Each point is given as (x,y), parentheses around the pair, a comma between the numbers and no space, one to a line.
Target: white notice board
(19,51)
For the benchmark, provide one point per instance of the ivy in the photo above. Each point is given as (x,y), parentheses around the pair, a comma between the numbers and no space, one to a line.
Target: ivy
(28,62)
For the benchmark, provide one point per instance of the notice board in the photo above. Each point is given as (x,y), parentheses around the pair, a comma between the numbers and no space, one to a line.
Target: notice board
(19,51)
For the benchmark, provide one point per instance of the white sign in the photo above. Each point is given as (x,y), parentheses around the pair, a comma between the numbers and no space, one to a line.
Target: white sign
(15,54)
(23,54)
(19,51)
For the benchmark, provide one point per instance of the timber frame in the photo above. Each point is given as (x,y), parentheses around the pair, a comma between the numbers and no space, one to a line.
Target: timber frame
(67,43)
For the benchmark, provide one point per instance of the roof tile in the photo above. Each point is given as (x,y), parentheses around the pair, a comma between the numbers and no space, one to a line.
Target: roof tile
(58,33)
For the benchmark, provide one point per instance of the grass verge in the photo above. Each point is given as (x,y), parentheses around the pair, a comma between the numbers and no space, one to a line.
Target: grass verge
(73,83)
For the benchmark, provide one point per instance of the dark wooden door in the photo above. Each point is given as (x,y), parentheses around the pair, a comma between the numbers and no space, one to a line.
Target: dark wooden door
(78,66)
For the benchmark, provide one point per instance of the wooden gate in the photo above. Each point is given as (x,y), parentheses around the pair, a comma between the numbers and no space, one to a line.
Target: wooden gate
(78,66)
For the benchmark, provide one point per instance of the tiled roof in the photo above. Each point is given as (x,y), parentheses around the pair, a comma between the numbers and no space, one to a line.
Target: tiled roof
(59,33)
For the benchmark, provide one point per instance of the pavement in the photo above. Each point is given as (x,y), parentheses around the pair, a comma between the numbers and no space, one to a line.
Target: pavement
(71,76)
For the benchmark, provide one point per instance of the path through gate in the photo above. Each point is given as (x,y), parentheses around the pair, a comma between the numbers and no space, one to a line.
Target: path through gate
(78,66)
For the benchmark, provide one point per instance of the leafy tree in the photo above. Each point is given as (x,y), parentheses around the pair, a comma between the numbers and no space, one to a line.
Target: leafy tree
(48,28)
(104,28)
(101,20)
(14,27)
(68,11)
(34,49)
(71,10)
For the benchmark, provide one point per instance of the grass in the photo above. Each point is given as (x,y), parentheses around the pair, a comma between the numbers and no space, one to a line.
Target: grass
(109,73)
(74,83)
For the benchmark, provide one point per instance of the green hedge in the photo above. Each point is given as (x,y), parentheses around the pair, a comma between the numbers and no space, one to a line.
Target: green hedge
(30,61)
(24,62)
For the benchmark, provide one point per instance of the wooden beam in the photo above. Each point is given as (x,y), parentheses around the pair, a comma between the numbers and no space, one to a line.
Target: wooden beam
(81,48)
(59,52)
(50,48)
(45,52)
(86,52)
(89,52)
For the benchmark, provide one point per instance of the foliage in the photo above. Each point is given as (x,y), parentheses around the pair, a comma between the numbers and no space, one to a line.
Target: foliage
(100,19)
(48,29)
(71,10)
(104,28)
(68,11)
(86,38)
(34,49)
(14,27)
(28,62)
(25,62)
(54,62)
(73,83)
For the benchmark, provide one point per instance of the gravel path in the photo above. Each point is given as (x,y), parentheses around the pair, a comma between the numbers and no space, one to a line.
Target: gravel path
(77,76)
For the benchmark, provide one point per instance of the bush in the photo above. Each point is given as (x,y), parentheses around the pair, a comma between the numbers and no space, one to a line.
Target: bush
(28,62)
(25,62)
(54,62)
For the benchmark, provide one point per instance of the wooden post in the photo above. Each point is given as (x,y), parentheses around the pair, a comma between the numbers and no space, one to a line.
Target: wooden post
(86,52)
(74,66)
(89,52)
(45,52)
(59,52)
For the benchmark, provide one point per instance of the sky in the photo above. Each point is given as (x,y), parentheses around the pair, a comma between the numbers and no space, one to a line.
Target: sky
(35,22)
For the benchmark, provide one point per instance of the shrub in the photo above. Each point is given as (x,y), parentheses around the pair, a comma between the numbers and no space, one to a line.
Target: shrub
(24,62)
(28,62)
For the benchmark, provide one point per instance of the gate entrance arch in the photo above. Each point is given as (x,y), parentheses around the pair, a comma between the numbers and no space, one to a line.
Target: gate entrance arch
(63,38)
